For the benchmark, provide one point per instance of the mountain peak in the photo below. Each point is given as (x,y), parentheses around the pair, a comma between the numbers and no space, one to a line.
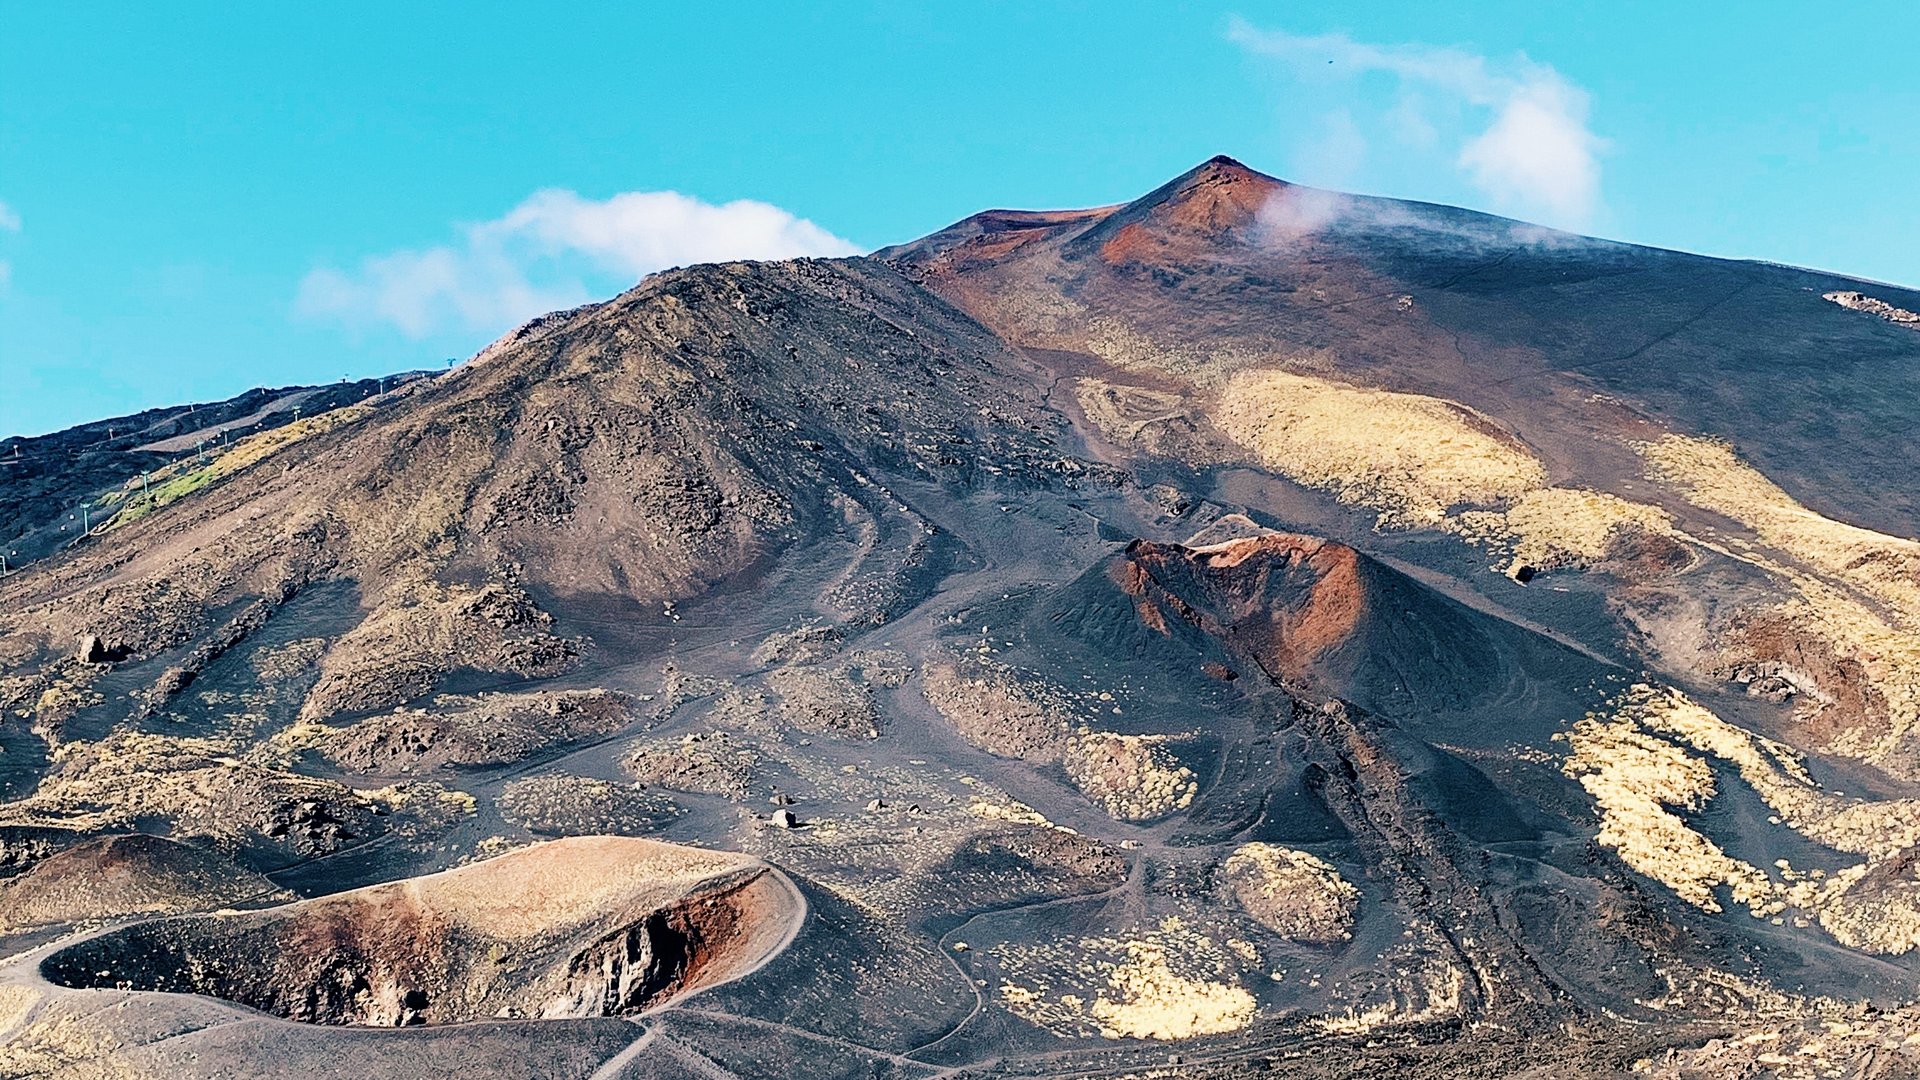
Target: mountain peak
(1210,202)
(1222,163)
(1218,192)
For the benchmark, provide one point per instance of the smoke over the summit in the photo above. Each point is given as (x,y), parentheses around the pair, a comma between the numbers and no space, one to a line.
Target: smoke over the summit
(1517,132)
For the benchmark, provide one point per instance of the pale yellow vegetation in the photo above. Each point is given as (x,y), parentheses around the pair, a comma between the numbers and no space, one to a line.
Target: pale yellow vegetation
(1554,527)
(1708,472)
(1015,714)
(1859,590)
(183,478)
(1634,778)
(1292,893)
(1636,764)
(1131,777)
(1165,982)
(1147,999)
(1434,989)
(1419,461)
(1776,773)
(1123,412)
(1409,457)
(1009,810)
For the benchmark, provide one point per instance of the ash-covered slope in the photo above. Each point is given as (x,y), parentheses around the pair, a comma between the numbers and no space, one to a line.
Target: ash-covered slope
(1243,625)
(1325,617)
(55,486)
(1496,314)
(641,449)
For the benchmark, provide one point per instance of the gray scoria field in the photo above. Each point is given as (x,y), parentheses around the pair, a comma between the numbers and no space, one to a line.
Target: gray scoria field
(1241,631)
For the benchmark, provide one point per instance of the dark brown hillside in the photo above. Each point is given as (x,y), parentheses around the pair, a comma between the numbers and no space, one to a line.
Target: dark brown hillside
(1321,615)
(643,448)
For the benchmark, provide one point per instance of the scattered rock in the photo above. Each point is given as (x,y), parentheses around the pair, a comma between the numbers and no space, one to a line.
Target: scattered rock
(803,644)
(1291,893)
(707,763)
(825,701)
(1858,301)
(561,805)
(92,650)
(473,732)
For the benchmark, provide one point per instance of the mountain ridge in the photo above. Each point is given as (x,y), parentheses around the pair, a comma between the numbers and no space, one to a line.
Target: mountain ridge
(1074,606)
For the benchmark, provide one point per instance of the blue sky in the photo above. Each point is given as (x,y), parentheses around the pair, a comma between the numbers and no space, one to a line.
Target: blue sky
(195,199)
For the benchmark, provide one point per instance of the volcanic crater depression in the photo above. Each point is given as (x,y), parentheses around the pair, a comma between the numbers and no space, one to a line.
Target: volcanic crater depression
(592,926)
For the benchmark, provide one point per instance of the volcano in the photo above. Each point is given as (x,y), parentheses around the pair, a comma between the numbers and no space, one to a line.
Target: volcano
(1245,629)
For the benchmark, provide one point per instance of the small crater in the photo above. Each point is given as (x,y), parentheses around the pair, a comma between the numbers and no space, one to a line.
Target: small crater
(591,926)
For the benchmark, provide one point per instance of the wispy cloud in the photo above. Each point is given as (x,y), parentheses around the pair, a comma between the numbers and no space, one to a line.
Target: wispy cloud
(543,253)
(1516,130)
(9,222)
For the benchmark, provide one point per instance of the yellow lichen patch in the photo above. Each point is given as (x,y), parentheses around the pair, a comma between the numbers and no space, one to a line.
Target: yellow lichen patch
(1859,591)
(281,748)
(1636,764)
(1812,1040)
(1422,461)
(1291,893)
(1634,777)
(1776,774)
(1772,769)
(1011,811)
(1889,658)
(1409,457)
(1884,918)
(1148,999)
(68,693)
(1122,412)
(1432,988)
(1131,777)
(1555,527)
(1164,982)
(1016,714)
(1885,568)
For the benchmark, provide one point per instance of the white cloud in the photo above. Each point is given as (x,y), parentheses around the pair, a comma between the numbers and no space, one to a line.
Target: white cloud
(1524,140)
(544,253)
